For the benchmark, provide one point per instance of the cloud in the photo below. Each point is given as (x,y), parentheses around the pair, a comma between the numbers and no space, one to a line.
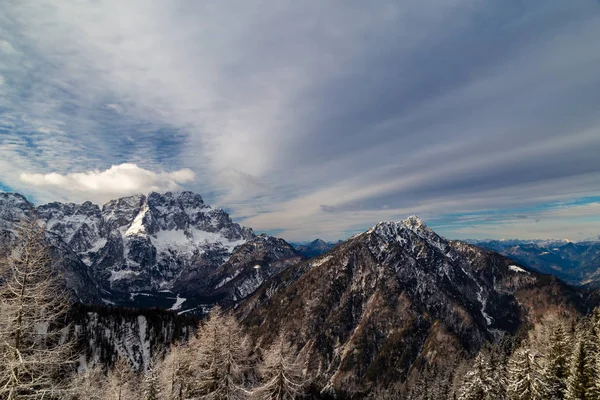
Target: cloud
(327,209)
(424,107)
(117,181)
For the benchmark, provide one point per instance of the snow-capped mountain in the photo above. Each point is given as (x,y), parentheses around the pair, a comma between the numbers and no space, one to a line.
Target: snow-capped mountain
(384,302)
(160,246)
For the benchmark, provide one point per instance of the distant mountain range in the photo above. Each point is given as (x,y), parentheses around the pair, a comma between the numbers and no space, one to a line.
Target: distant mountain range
(577,263)
(314,248)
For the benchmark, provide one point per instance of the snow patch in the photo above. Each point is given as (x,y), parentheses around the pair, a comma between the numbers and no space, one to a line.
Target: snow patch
(178,302)
(483,302)
(122,274)
(321,261)
(517,269)
(228,278)
(185,241)
(137,226)
(144,342)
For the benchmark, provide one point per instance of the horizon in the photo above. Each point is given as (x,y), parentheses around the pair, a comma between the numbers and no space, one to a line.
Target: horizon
(312,120)
(340,239)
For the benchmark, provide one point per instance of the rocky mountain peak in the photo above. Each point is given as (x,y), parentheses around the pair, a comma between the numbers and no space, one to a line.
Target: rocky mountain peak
(13,207)
(383,299)
(406,231)
(140,242)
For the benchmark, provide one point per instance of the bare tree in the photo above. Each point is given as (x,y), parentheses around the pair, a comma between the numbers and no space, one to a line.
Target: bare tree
(221,358)
(88,384)
(121,382)
(174,373)
(283,376)
(34,344)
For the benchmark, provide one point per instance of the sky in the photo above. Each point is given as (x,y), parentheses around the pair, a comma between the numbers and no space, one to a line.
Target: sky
(310,119)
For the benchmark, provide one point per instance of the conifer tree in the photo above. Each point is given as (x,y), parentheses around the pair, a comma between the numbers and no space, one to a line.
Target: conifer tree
(34,350)
(221,358)
(282,375)
(150,381)
(474,385)
(581,384)
(174,376)
(556,369)
(524,376)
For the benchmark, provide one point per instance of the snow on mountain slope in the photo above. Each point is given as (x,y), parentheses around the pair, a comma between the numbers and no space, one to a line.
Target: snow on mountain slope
(386,301)
(13,207)
(137,243)
(148,245)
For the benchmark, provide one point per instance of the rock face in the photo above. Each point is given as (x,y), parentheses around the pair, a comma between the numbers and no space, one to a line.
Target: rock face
(395,297)
(252,264)
(159,245)
(577,263)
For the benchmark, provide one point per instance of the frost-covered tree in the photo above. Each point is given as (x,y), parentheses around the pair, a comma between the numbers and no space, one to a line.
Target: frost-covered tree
(221,358)
(475,383)
(581,384)
(34,349)
(556,365)
(282,374)
(150,381)
(524,376)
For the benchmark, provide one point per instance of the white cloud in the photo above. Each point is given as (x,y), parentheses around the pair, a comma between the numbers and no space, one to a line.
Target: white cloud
(101,186)
(288,107)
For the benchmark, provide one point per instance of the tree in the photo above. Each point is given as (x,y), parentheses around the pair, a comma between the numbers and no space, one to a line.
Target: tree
(556,370)
(476,383)
(583,375)
(121,382)
(221,358)
(150,381)
(34,344)
(88,384)
(174,373)
(524,376)
(282,375)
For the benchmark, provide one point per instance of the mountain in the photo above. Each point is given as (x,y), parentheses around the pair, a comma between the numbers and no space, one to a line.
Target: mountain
(577,263)
(398,297)
(166,250)
(315,248)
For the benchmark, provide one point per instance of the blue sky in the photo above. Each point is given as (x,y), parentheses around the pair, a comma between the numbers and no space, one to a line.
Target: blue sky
(312,119)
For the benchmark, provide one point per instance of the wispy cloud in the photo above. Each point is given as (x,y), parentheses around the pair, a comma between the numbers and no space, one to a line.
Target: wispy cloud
(312,118)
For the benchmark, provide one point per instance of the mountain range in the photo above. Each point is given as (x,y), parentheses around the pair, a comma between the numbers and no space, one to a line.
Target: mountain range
(167,250)
(577,263)
(371,310)
(315,247)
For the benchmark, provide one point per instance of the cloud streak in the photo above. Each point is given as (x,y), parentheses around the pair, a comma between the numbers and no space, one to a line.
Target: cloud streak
(313,119)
